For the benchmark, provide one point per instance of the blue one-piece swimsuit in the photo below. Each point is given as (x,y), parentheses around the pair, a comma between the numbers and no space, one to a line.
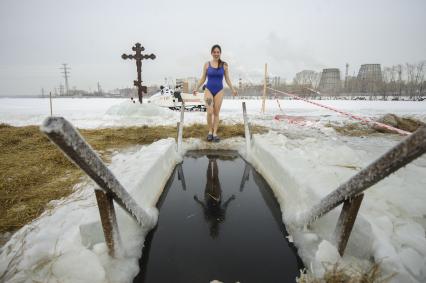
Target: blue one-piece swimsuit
(215,79)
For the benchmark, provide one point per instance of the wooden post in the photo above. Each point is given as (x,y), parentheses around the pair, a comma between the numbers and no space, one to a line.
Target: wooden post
(264,88)
(246,129)
(346,222)
(109,221)
(177,132)
(50,98)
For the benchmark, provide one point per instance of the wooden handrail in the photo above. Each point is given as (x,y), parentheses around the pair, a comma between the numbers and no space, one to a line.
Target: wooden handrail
(68,139)
(400,155)
(350,193)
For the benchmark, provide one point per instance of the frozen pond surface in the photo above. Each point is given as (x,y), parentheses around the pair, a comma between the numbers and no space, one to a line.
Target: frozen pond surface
(218,220)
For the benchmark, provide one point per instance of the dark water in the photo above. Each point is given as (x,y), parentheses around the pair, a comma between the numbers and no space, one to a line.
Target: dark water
(218,220)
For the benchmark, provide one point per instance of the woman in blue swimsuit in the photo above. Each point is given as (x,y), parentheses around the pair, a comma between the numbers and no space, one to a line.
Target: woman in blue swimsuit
(214,71)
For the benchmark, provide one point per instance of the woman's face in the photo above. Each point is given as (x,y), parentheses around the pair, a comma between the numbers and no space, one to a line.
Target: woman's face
(216,53)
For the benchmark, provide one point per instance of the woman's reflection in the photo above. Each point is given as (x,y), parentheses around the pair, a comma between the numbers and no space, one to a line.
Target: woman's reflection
(214,211)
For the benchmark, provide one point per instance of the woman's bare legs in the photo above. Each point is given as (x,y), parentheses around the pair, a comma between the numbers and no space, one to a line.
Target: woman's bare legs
(208,97)
(217,103)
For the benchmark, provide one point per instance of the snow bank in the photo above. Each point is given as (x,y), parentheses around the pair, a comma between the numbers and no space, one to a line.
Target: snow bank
(52,249)
(66,244)
(147,114)
(390,226)
(121,112)
(237,143)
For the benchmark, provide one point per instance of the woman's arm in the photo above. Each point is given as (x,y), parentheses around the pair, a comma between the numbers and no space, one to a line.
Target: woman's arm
(202,80)
(228,81)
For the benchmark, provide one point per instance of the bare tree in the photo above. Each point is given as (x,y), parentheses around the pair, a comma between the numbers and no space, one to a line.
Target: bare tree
(420,77)
(400,82)
(386,82)
(411,74)
(306,77)
(308,80)
(415,79)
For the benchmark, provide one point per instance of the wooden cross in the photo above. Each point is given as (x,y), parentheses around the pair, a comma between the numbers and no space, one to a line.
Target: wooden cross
(138,56)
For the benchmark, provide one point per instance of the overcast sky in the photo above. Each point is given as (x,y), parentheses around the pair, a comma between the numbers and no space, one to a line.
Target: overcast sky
(37,36)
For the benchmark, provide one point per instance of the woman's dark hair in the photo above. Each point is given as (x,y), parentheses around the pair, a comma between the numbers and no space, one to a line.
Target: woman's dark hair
(220,63)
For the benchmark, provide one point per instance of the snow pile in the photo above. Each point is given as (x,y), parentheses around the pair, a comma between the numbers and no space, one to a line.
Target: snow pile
(390,226)
(141,111)
(128,114)
(51,249)
(82,112)
(115,112)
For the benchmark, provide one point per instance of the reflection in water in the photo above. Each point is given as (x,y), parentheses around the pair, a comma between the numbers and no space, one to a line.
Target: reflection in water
(245,177)
(181,177)
(251,245)
(214,211)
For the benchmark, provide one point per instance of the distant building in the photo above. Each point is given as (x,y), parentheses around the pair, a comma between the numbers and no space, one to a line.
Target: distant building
(183,85)
(330,82)
(370,78)
(125,92)
(187,84)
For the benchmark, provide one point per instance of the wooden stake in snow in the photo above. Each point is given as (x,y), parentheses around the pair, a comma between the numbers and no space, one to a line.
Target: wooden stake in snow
(50,99)
(264,88)
(346,222)
(109,221)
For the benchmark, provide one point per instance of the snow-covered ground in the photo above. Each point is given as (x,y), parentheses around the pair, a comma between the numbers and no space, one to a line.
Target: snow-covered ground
(52,248)
(391,224)
(114,112)
(302,163)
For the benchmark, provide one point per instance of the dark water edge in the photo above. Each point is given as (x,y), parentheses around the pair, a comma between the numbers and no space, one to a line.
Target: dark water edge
(219,220)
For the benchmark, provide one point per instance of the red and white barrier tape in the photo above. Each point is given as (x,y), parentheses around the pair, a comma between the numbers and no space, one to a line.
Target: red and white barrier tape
(350,115)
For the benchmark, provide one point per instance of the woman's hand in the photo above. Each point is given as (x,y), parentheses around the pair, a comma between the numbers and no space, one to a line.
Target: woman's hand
(194,92)
(234,92)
